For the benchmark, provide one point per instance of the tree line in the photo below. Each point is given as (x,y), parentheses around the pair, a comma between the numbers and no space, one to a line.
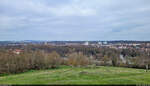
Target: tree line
(45,57)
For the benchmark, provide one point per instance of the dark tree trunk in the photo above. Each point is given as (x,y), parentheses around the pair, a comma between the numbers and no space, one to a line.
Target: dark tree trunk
(147,68)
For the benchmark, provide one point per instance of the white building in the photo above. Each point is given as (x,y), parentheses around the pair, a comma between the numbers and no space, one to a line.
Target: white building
(100,43)
(105,42)
(86,43)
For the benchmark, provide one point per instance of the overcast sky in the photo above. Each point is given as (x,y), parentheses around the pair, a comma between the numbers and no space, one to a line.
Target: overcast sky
(74,19)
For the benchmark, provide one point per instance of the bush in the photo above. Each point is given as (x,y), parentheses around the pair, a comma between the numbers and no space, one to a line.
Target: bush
(52,60)
(78,59)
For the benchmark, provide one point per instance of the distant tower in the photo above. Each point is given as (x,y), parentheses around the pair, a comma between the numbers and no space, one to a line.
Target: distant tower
(45,43)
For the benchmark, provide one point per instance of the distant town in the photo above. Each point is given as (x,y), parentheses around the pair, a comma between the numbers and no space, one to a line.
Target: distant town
(143,45)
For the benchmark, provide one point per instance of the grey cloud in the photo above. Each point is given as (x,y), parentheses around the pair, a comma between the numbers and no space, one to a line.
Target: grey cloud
(75,19)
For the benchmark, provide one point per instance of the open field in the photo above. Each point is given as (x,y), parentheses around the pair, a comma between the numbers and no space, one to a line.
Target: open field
(69,75)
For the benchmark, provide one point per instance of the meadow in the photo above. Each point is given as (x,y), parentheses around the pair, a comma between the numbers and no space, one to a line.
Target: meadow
(79,75)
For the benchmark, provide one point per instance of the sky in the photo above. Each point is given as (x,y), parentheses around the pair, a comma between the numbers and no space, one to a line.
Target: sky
(72,20)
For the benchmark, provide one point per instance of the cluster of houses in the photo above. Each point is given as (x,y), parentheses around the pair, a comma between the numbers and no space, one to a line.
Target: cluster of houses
(17,51)
(141,46)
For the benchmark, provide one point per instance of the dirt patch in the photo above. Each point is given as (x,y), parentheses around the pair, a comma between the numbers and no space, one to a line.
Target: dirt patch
(83,72)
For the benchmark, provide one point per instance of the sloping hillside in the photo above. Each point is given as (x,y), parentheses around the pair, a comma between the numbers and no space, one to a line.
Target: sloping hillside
(69,75)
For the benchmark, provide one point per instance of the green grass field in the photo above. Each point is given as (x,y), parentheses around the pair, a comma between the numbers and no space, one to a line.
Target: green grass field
(68,75)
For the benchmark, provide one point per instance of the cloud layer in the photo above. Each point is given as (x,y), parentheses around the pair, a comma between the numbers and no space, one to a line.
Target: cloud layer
(74,20)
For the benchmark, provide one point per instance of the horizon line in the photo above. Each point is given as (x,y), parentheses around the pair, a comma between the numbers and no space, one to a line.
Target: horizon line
(72,40)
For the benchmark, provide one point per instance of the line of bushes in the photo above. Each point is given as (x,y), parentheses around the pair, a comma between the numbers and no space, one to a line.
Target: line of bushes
(27,60)
(37,60)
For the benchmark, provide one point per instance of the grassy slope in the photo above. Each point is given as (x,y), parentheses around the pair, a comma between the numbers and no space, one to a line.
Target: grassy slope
(68,75)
